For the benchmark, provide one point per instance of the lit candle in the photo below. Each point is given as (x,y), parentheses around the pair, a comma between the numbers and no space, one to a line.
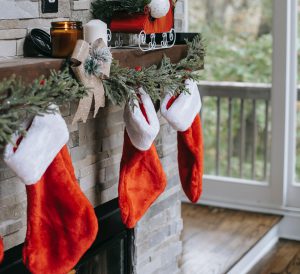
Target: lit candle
(94,30)
(64,36)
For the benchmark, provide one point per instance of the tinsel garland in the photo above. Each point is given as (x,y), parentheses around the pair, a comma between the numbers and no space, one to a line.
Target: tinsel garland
(18,101)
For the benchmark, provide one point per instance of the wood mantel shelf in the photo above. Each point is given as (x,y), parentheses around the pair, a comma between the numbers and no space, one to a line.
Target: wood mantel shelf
(31,68)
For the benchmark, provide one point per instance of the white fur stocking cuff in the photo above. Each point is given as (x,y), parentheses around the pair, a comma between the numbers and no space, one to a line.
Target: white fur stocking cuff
(140,132)
(44,139)
(184,109)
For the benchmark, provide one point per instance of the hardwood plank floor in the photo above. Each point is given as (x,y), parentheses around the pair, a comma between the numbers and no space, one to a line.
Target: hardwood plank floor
(214,239)
(283,258)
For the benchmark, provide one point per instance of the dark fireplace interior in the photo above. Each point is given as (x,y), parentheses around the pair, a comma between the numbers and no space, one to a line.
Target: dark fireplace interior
(111,253)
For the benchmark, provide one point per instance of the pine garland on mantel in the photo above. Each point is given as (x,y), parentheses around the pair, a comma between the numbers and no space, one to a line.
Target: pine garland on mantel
(121,85)
(18,101)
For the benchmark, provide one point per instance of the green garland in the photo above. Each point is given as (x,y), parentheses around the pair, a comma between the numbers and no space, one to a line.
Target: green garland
(18,101)
(104,10)
(121,85)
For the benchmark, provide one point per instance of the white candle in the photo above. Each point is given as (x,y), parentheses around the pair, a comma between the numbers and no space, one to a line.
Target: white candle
(94,30)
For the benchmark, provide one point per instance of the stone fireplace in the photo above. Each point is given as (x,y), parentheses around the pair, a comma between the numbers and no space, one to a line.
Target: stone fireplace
(96,149)
(111,252)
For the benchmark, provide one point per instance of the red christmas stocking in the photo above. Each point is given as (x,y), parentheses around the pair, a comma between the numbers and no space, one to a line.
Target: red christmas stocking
(142,178)
(1,250)
(182,113)
(61,223)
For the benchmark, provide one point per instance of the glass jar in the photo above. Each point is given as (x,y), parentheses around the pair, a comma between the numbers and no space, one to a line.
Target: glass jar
(64,35)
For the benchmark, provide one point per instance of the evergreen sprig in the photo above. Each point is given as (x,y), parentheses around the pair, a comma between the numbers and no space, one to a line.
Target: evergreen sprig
(104,10)
(123,82)
(19,101)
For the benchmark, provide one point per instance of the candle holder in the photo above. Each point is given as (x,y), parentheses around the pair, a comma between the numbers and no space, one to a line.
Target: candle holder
(64,35)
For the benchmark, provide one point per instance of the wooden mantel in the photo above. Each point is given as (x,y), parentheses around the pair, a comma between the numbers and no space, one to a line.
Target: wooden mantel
(31,68)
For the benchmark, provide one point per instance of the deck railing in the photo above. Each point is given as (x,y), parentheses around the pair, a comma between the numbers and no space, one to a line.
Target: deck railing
(236,119)
(237,129)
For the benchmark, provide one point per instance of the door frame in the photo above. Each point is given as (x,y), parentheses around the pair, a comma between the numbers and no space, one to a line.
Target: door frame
(280,192)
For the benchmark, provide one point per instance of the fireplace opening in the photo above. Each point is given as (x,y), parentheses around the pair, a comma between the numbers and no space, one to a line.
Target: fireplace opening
(111,253)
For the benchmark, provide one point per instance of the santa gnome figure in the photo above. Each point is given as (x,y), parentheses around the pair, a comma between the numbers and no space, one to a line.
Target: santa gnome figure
(182,113)
(142,178)
(61,223)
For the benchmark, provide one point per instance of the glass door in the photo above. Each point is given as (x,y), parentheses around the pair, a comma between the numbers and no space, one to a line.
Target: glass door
(293,183)
(247,89)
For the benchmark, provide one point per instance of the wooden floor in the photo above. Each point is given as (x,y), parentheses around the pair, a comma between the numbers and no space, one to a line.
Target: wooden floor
(284,258)
(215,239)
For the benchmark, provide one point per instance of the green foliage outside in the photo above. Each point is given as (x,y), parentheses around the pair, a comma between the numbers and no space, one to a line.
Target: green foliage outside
(241,57)
(237,57)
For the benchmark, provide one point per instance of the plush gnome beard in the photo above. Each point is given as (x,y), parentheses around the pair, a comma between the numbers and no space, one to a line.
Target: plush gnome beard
(182,113)
(61,223)
(159,8)
(142,178)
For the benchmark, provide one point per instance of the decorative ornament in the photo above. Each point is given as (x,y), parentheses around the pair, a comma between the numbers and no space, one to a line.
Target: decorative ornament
(157,18)
(91,66)
(97,60)
(159,8)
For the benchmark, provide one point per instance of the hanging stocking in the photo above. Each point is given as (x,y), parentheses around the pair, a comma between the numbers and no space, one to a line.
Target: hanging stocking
(61,223)
(142,178)
(1,250)
(182,113)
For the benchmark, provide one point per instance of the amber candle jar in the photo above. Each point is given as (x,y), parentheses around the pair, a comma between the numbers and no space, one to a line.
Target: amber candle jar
(64,35)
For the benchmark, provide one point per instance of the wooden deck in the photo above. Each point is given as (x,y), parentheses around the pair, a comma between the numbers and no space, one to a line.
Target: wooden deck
(215,239)
(283,258)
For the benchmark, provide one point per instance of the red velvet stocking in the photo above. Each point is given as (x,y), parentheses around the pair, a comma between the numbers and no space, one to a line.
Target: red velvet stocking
(1,250)
(61,223)
(190,159)
(142,180)
(184,117)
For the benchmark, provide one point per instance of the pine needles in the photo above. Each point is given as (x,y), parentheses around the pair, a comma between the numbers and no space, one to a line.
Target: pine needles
(18,101)
(104,10)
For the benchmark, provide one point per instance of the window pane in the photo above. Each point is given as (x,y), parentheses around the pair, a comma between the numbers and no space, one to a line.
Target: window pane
(238,34)
(236,118)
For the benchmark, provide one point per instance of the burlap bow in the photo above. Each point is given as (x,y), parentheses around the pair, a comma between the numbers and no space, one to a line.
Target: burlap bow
(91,65)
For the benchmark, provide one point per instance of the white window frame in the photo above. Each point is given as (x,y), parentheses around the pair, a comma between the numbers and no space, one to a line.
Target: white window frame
(280,192)
(291,189)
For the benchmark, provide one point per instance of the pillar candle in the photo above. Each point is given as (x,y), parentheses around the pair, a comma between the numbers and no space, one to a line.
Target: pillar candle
(94,30)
